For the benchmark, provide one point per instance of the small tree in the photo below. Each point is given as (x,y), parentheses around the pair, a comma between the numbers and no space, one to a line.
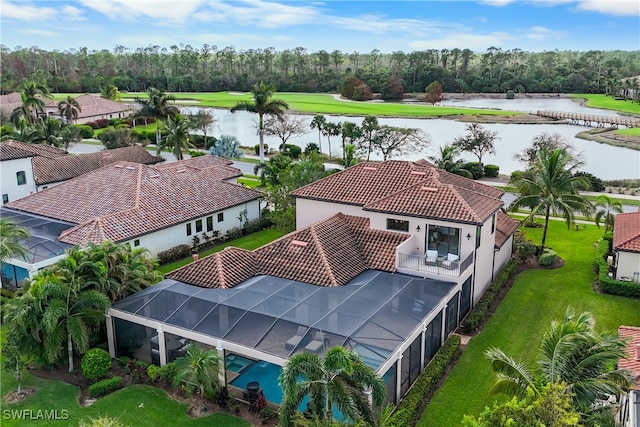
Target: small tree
(202,120)
(396,141)
(285,127)
(198,368)
(478,141)
(606,209)
(546,141)
(392,88)
(433,92)
(13,359)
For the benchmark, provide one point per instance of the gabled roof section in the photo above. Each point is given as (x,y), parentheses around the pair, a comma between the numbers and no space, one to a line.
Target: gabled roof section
(58,169)
(12,149)
(632,333)
(328,253)
(626,232)
(407,188)
(92,106)
(124,200)
(505,227)
(220,168)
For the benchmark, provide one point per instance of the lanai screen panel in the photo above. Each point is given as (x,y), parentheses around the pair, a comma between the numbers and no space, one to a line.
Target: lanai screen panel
(373,314)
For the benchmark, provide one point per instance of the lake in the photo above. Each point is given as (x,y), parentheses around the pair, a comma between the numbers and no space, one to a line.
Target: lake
(604,161)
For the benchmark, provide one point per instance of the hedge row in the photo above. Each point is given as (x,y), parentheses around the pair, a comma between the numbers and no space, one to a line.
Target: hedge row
(411,405)
(480,311)
(608,284)
(105,386)
(174,253)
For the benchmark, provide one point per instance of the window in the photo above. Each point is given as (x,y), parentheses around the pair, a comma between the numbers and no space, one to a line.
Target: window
(189,229)
(209,223)
(478,230)
(45,187)
(446,240)
(221,217)
(493,223)
(5,198)
(21,177)
(397,224)
(199,226)
(136,242)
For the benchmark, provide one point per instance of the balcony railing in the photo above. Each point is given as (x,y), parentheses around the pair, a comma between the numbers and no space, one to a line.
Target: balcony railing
(438,266)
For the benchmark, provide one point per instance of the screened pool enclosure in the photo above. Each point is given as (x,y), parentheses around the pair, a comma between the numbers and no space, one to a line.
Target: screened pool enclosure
(395,322)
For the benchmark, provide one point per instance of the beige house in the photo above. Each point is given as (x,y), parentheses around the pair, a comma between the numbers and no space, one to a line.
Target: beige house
(93,108)
(626,246)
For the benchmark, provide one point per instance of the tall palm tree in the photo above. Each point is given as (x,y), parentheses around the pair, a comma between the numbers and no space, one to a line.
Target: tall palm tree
(157,105)
(571,352)
(198,368)
(318,122)
(263,103)
(49,130)
(69,109)
(606,209)
(447,159)
(331,129)
(11,237)
(335,380)
(32,103)
(550,186)
(177,138)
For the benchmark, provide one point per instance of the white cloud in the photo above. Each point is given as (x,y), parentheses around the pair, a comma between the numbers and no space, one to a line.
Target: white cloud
(71,13)
(26,12)
(542,33)
(498,3)
(468,40)
(44,33)
(165,11)
(612,7)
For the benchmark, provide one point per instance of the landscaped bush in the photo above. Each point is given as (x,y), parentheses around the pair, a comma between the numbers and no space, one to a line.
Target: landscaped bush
(311,147)
(510,94)
(116,138)
(86,131)
(196,153)
(122,361)
(256,148)
(548,257)
(474,168)
(197,140)
(523,248)
(174,253)
(234,233)
(409,408)
(168,372)
(105,386)
(491,170)
(153,372)
(293,151)
(480,311)
(99,124)
(608,284)
(95,364)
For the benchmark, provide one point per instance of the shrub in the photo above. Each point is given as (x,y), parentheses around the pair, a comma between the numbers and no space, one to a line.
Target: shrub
(105,386)
(491,170)
(123,361)
(595,183)
(168,372)
(522,247)
(548,257)
(608,284)
(196,153)
(95,364)
(411,405)
(293,151)
(174,253)
(153,372)
(86,131)
(510,94)
(256,148)
(474,168)
(116,138)
(311,148)
(198,140)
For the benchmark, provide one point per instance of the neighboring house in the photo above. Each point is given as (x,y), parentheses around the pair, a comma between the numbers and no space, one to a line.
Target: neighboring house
(10,102)
(626,246)
(30,168)
(385,261)
(145,206)
(92,108)
(630,411)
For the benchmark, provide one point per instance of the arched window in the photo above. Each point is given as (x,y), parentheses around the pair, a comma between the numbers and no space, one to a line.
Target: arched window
(21,177)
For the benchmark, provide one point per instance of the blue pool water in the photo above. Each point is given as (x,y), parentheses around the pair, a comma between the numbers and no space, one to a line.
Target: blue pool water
(237,363)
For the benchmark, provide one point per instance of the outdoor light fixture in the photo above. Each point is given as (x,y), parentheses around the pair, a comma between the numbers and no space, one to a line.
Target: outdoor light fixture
(418,229)
(468,236)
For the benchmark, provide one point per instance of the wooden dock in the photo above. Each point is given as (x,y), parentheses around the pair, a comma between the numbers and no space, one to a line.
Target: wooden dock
(591,120)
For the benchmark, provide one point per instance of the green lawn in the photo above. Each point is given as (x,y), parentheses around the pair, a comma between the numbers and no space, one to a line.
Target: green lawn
(250,242)
(537,298)
(249,182)
(609,103)
(629,132)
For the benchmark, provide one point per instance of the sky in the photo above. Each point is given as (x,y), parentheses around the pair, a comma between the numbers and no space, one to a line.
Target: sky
(348,26)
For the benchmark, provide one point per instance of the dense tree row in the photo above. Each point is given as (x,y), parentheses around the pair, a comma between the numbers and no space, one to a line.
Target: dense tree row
(182,68)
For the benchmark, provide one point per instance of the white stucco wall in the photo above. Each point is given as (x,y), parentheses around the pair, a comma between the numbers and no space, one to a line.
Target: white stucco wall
(502,256)
(9,183)
(311,211)
(167,238)
(628,263)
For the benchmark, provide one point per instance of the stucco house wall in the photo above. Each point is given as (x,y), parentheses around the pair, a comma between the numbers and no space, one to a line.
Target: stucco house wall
(628,264)
(8,174)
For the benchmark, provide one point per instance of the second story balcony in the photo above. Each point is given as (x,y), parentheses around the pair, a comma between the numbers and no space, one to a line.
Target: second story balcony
(437,266)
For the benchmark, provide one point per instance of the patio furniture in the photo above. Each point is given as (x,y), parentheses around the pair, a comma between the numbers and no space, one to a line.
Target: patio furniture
(431,257)
(294,341)
(443,249)
(451,262)
(253,390)
(317,344)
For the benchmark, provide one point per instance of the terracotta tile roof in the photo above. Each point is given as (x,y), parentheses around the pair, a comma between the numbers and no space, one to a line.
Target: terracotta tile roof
(631,362)
(10,102)
(94,106)
(626,232)
(505,227)
(12,149)
(48,171)
(125,200)
(407,188)
(327,253)
(219,167)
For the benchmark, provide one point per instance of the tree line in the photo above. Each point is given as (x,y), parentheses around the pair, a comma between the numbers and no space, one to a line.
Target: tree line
(184,68)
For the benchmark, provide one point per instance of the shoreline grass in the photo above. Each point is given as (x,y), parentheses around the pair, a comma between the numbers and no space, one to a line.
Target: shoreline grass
(607,103)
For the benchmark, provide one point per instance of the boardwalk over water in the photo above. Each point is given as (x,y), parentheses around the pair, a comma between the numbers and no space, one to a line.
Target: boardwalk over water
(588,119)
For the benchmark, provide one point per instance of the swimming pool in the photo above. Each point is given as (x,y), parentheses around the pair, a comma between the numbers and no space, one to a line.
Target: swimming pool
(237,363)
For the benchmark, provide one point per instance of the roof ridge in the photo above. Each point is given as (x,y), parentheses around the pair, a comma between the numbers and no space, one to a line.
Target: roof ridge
(463,202)
(220,270)
(400,191)
(323,256)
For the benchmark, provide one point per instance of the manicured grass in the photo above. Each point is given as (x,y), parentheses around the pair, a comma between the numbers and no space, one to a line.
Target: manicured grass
(249,182)
(536,298)
(609,103)
(250,242)
(322,103)
(629,132)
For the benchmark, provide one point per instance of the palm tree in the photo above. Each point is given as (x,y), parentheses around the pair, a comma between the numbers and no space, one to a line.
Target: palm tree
(157,105)
(550,186)
(48,131)
(331,129)
(11,237)
(177,138)
(198,368)
(69,109)
(606,209)
(447,160)
(110,92)
(32,103)
(571,352)
(337,379)
(262,104)
(318,122)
